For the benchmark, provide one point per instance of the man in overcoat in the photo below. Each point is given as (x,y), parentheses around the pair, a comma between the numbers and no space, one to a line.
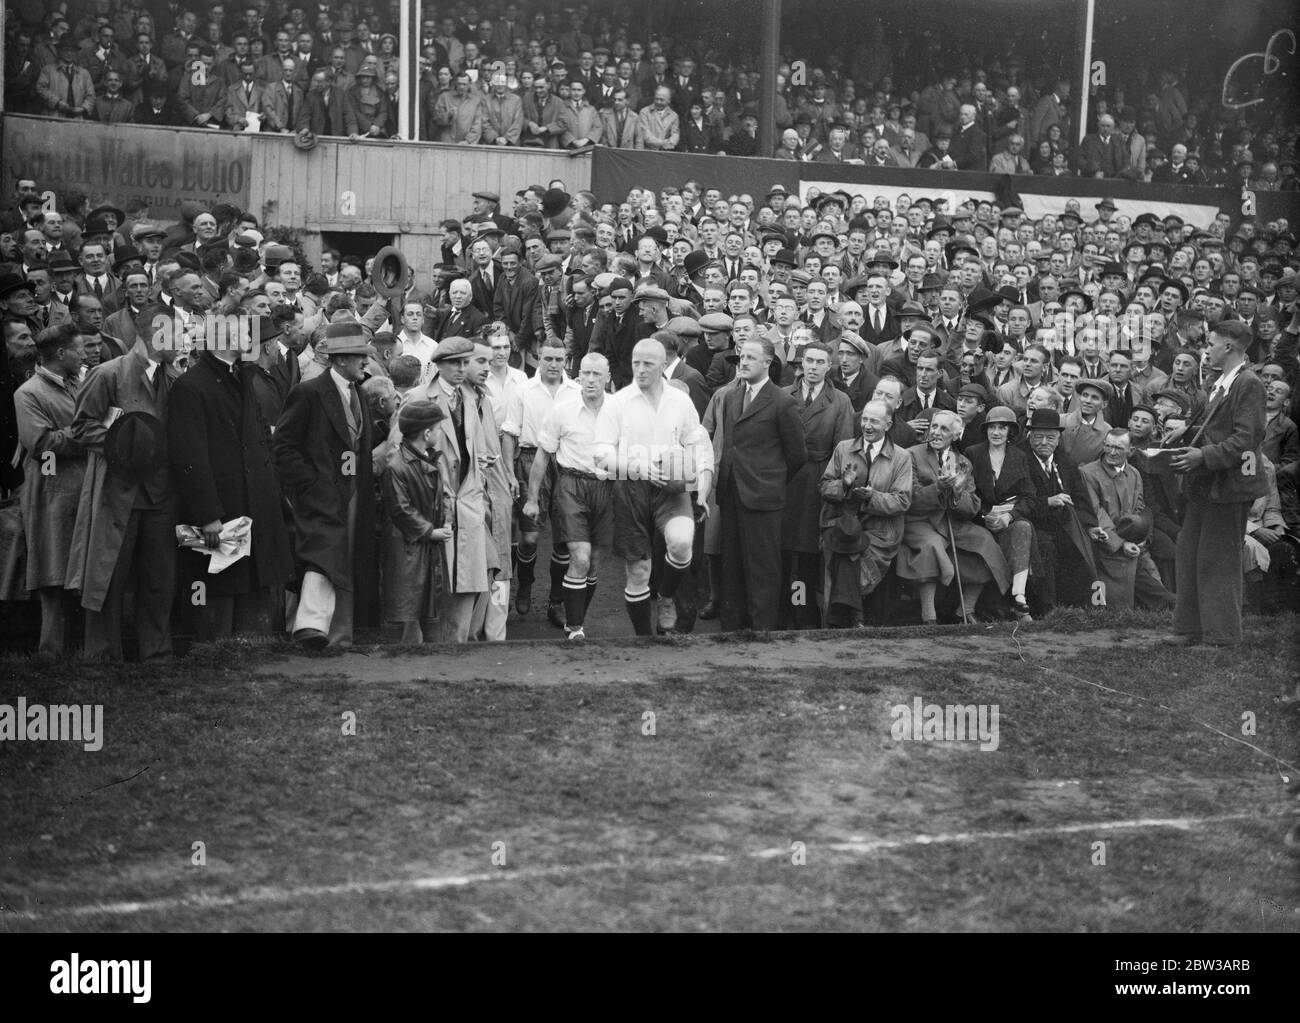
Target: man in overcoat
(323,450)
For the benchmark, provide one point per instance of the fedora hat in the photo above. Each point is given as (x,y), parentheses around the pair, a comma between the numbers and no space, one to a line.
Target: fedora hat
(1134,528)
(136,444)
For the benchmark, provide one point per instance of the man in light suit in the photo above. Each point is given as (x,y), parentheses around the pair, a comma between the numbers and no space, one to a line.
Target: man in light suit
(764,446)
(1051,109)
(1224,474)
(283,100)
(243,98)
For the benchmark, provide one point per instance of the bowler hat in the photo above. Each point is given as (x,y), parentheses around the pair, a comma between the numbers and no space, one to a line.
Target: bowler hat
(555,201)
(125,254)
(1044,419)
(11,282)
(784,257)
(136,444)
(696,261)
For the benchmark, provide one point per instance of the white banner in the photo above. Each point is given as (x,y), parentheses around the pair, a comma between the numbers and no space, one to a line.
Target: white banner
(1035,206)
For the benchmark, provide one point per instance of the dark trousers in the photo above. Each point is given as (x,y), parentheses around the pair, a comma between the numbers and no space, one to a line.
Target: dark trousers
(801,605)
(147,560)
(751,565)
(1209,571)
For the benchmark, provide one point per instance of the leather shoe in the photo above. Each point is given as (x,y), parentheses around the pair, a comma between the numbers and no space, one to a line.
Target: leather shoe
(523,603)
(555,614)
(311,639)
(709,611)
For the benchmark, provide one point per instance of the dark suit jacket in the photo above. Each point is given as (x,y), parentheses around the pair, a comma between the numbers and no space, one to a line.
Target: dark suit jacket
(340,118)
(582,323)
(694,382)
(464,323)
(864,386)
(310,442)
(220,454)
(1066,480)
(482,299)
(762,448)
(969,149)
(1231,444)
(910,406)
(891,329)
(513,303)
(616,344)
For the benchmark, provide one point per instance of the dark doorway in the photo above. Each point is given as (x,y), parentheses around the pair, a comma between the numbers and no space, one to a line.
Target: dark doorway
(360,244)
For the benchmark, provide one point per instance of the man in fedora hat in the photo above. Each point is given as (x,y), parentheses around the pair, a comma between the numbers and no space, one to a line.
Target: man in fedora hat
(1122,534)
(123,536)
(323,447)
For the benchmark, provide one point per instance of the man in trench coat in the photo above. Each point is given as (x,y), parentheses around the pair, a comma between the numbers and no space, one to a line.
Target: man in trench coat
(124,535)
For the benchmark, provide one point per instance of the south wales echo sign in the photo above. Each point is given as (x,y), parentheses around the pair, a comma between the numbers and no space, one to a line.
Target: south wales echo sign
(162,166)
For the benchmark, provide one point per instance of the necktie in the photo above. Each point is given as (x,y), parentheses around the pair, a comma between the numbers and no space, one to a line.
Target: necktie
(457,410)
(925,401)
(70,74)
(99,288)
(288,91)
(745,399)
(877,320)
(355,403)
(807,397)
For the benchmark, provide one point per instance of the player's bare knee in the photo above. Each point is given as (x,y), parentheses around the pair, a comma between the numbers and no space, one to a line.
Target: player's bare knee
(579,560)
(638,574)
(679,538)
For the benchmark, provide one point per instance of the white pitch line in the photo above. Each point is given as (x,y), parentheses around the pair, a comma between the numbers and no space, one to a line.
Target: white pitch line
(263,895)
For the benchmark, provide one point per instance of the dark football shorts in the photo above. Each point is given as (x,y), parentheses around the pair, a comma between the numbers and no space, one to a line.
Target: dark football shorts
(545,495)
(583,509)
(640,511)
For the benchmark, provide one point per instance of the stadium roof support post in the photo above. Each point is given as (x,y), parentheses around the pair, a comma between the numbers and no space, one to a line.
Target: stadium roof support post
(408,76)
(767,90)
(1087,10)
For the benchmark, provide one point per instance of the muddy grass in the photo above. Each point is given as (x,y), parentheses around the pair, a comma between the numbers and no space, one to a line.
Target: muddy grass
(755,746)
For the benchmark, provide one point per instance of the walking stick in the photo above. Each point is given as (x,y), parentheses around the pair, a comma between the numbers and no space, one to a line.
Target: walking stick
(956,564)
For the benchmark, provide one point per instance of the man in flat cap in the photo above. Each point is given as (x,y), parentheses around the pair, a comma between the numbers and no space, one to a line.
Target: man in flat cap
(465,456)
(324,450)
(123,538)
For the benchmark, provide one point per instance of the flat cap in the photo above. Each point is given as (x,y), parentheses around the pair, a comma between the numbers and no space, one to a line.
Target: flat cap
(548,262)
(684,326)
(650,293)
(419,415)
(715,323)
(486,196)
(453,348)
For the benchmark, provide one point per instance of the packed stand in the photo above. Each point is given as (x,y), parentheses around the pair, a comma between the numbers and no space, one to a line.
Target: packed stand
(512,75)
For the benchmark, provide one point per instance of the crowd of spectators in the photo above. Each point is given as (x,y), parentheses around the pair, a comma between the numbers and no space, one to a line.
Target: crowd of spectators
(519,75)
(970,409)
